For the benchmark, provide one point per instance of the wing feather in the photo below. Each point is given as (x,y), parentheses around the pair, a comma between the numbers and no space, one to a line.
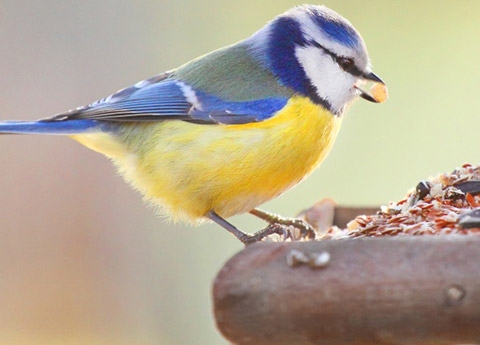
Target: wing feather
(227,86)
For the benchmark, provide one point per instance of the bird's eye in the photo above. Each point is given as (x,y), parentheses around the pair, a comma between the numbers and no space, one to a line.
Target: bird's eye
(346,63)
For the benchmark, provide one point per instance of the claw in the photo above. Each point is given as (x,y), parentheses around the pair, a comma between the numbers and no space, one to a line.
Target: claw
(288,228)
(305,230)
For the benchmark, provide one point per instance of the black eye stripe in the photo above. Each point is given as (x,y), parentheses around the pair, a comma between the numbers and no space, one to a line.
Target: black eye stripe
(340,60)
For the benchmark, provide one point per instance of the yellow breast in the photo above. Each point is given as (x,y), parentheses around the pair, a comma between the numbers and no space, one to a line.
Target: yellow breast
(190,169)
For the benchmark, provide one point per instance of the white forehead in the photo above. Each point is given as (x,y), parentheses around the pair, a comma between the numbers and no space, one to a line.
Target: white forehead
(312,32)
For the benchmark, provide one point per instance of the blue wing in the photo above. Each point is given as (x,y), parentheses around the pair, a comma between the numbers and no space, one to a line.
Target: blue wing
(166,98)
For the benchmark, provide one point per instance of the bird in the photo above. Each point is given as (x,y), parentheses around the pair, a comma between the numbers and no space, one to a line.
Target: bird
(230,130)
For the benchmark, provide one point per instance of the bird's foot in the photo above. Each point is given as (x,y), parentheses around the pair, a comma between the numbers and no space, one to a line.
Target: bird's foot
(260,235)
(289,228)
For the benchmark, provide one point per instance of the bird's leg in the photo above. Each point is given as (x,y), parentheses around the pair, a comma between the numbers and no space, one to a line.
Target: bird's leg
(243,237)
(306,230)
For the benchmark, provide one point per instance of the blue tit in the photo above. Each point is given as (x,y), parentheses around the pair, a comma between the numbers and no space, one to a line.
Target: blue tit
(232,129)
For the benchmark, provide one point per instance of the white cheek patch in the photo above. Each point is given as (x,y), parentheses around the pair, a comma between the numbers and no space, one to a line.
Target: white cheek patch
(331,82)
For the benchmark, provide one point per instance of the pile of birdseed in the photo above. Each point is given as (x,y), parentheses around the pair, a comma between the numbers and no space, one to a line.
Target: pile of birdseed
(445,204)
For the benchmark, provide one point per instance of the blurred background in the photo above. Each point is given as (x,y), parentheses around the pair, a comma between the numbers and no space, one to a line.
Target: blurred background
(83,261)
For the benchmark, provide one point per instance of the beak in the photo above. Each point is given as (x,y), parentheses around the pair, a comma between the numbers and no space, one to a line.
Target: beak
(378,93)
(373,77)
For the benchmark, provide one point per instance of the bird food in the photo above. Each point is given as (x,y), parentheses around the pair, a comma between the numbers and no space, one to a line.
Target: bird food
(445,204)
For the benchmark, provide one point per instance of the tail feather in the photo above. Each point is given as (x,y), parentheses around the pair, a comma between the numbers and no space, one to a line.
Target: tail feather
(47,127)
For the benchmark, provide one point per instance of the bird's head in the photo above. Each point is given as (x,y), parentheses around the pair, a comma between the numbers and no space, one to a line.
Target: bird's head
(317,53)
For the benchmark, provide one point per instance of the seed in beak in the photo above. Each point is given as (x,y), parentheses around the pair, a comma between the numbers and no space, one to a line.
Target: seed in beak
(377,93)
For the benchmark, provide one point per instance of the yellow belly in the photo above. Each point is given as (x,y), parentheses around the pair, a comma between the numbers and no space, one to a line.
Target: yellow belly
(190,169)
